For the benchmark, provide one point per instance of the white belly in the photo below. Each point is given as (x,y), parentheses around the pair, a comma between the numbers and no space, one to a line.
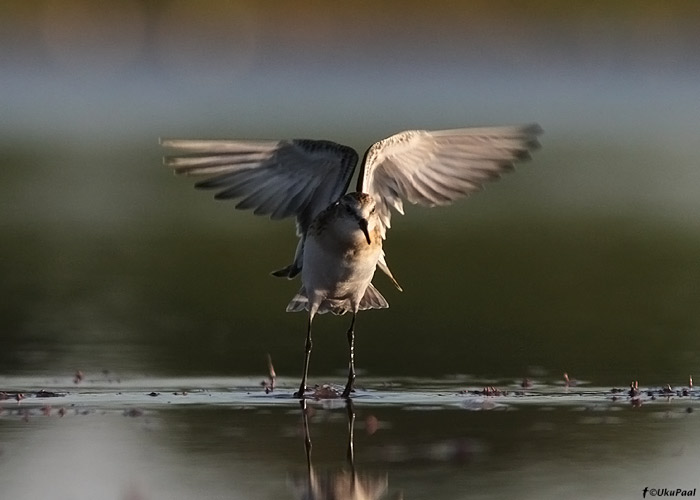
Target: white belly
(334,273)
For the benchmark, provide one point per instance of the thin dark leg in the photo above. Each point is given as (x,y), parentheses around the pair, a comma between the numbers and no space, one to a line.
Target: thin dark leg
(351,367)
(351,433)
(351,442)
(307,436)
(307,357)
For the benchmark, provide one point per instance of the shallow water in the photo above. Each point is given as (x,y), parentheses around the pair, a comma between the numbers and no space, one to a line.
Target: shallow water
(130,438)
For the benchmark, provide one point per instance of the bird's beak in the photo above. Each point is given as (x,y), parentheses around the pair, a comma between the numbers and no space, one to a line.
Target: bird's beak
(363,226)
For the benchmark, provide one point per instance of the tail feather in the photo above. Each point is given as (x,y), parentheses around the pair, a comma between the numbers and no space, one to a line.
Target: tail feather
(372,299)
(294,268)
(300,302)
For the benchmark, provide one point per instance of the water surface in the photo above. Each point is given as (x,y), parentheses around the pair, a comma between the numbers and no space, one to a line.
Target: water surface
(226,438)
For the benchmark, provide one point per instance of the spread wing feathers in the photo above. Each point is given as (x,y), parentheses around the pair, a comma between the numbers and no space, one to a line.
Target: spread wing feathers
(285,178)
(437,167)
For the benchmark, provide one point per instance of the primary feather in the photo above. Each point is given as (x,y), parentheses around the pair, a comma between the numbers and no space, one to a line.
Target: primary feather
(282,179)
(437,167)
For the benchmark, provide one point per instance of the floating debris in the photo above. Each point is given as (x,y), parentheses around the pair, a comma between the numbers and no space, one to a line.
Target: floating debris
(634,389)
(486,391)
(269,386)
(16,395)
(493,391)
(325,391)
(48,394)
(569,382)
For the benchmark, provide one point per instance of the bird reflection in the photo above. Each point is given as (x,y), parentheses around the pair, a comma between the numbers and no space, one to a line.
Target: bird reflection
(345,484)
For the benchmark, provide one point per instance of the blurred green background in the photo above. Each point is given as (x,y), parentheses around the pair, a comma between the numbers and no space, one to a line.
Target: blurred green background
(585,260)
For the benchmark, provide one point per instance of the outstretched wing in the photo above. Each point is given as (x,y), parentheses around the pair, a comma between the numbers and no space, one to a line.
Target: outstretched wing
(285,178)
(437,167)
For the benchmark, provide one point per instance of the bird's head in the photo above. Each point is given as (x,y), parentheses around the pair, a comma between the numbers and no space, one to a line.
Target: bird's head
(360,209)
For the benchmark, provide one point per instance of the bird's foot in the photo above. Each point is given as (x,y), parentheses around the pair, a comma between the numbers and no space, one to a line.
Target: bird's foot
(300,393)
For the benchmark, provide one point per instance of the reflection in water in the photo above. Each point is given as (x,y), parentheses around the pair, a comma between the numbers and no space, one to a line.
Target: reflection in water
(337,485)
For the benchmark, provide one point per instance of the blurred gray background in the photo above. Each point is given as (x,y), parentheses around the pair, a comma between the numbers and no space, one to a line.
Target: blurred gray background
(585,260)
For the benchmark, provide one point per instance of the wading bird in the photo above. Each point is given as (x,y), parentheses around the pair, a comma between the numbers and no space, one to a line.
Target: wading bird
(341,235)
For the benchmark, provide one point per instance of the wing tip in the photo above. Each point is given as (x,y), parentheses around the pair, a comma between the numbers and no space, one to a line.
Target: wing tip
(166,142)
(533,129)
(289,272)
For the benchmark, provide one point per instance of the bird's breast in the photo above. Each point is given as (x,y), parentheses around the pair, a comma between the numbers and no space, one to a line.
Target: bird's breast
(336,265)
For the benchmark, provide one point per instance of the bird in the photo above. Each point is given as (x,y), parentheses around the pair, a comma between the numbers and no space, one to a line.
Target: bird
(340,233)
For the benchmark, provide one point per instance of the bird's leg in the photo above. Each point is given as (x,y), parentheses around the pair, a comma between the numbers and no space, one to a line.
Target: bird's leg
(351,434)
(307,356)
(351,445)
(307,436)
(351,367)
